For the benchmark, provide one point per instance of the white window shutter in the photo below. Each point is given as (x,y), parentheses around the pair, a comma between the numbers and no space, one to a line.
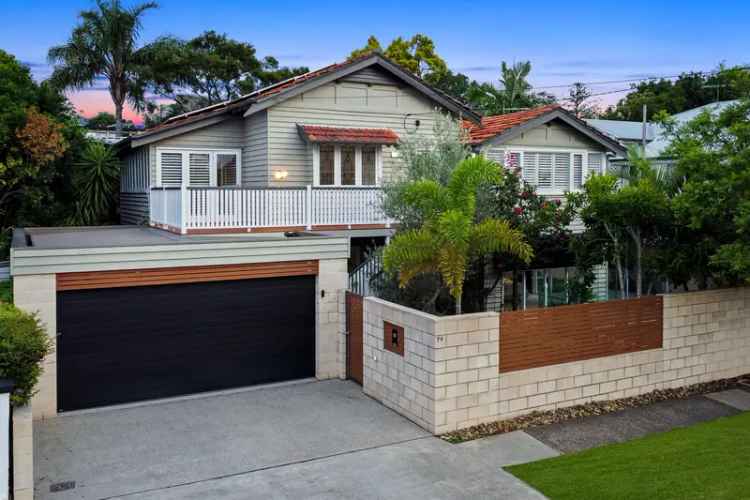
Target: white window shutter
(171,169)
(200,169)
(562,171)
(545,170)
(577,171)
(529,167)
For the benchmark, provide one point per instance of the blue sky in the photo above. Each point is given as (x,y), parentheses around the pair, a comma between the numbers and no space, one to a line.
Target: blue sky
(597,41)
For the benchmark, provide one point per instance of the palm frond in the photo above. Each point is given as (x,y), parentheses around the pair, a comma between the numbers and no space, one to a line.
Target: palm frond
(411,253)
(466,179)
(495,235)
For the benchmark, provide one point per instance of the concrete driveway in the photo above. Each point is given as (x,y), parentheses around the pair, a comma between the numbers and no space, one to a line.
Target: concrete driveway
(309,440)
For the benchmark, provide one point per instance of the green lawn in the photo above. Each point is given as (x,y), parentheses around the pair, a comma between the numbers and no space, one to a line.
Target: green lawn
(710,460)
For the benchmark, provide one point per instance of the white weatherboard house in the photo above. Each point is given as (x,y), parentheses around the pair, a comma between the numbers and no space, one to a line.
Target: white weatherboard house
(243,219)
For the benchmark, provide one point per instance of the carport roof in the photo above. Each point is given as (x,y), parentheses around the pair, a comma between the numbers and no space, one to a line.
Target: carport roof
(47,238)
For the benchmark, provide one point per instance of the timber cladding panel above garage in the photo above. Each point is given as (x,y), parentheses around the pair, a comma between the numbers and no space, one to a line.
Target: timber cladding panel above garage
(177,275)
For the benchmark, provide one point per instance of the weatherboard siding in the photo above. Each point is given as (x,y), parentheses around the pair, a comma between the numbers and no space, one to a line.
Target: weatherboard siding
(555,135)
(134,184)
(229,134)
(255,151)
(344,104)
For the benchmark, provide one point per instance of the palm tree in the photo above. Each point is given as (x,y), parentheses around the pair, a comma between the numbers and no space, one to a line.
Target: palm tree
(514,81)
(103,45)
(450,238)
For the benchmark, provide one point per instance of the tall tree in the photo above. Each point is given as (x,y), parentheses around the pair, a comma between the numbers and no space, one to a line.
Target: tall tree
(417,54)
(577,97)
(104,44)
(205,70)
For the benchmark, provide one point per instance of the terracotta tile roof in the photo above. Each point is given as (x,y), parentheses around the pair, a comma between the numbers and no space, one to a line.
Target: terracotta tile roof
(496,125)
(315,133)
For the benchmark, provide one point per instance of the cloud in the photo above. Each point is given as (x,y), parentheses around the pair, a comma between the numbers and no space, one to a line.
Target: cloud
(478,69)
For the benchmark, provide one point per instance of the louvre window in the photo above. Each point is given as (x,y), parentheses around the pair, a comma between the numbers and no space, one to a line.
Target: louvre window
(176,167)
(562,171)
(200,169)
(555,171)
(171,169)
(577,170)
(529,167)
(544,169)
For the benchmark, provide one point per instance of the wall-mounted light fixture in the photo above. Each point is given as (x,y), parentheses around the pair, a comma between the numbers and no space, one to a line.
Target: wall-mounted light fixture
(280,175)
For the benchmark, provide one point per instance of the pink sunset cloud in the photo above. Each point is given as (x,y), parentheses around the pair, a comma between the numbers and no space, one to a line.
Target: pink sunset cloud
(90,102)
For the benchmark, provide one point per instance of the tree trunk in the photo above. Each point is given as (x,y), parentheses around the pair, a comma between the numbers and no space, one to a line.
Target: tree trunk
(636,235)
(118,117)
(458,304)
(618,260)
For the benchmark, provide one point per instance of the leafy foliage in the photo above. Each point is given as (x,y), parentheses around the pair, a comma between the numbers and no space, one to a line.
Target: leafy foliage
(424,157)
(449,238)
(101,121)
(416,54)
(688,91)
(211,68)
(40,139)
(96,184)
(419,55)
(712,155)
(23,345)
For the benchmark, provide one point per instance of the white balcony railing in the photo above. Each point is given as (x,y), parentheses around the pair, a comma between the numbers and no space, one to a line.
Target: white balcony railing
(195,208)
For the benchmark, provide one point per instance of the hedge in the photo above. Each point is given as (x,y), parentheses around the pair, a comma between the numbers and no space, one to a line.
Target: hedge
(23,345)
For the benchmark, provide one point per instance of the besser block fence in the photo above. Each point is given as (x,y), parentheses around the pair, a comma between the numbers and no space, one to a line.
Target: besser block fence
(460,371)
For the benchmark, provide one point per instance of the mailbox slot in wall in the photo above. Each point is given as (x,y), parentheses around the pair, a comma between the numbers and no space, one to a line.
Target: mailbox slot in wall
(393,338)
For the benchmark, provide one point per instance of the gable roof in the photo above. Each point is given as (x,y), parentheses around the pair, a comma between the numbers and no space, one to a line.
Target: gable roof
(503,128)
(286,89)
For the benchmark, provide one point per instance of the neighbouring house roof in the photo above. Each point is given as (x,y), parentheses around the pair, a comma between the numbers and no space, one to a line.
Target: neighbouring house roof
(656,137)
(315,133)
(622,130)
(273,94)
(503,128)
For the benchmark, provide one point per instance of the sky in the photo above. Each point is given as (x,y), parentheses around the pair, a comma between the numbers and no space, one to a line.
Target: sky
(589,41)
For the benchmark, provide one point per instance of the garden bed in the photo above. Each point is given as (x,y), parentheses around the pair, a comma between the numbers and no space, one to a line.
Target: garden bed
(538,418)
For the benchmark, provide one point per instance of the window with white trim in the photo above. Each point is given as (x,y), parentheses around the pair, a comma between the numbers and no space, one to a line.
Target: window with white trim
(554,172)
(198,167)
(347,165)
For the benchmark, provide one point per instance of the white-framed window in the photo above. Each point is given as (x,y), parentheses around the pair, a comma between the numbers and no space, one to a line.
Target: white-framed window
(347,165)
(555,171)
(176,167)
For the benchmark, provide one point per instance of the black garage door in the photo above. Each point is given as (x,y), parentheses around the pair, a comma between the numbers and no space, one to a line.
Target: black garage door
(120,345)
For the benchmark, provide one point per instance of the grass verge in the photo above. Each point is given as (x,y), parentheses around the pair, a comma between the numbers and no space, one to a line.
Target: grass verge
(705,461)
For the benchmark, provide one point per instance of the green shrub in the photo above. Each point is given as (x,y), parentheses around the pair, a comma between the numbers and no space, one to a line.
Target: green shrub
(23,345)
(6,291)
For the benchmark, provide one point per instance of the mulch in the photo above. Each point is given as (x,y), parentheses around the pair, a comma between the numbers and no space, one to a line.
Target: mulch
(539,418)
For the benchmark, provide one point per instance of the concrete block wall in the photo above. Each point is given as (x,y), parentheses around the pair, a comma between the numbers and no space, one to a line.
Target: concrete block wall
(23,454)
(706,337)
(330,310)
(38,294)
(405,383)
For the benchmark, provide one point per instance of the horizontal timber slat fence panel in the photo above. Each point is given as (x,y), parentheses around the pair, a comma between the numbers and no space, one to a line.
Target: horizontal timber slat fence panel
(550,336)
